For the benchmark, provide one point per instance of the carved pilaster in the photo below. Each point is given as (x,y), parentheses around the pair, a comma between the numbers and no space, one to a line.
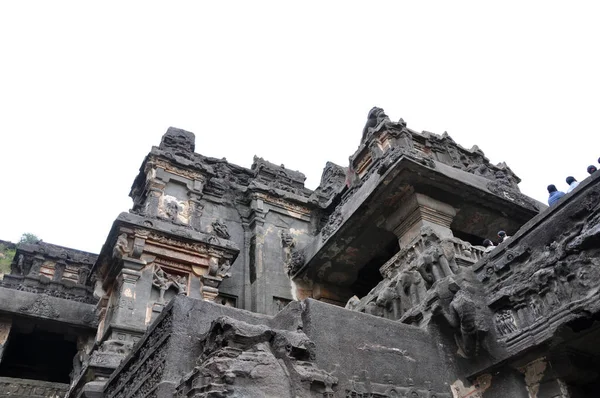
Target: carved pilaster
(257,221)
(59,270)
(156,190)
(419,211)
(196,210)
(36,265)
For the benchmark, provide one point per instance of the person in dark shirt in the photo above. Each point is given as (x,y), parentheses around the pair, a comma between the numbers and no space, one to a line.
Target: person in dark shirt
(555,194)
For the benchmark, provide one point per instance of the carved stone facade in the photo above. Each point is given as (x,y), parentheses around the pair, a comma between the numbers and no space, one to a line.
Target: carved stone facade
(220,282)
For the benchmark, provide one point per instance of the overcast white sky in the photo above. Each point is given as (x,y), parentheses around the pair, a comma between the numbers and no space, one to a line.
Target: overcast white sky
(87,88)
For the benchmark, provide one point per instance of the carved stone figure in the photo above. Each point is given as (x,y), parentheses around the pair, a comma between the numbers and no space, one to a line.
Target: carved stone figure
(462,316)
(220,229)
(224,270)
(352,303)
(434,265)
(412,288)
(171,209)
(297,261)
(536,307)
(505,323)
(389,300)
(287,240)
(181,282)
(121,246)
(162,281)
(373,309)
(375,118)
(21,264)
(116,346)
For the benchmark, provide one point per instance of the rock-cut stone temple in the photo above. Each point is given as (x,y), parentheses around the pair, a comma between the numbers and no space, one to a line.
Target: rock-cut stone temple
(223,281)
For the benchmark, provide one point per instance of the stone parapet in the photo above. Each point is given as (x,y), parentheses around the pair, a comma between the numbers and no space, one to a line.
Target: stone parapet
(545,276)
(42,285)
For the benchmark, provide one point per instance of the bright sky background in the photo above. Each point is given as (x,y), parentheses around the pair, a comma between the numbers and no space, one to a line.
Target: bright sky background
(86,88)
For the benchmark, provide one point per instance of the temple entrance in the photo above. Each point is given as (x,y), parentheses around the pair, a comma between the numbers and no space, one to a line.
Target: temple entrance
(38,353)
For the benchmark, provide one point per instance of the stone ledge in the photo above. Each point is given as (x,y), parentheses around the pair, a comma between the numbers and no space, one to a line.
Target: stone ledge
(47,307)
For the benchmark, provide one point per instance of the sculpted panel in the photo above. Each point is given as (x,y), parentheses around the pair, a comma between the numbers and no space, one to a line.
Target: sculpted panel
(242,360)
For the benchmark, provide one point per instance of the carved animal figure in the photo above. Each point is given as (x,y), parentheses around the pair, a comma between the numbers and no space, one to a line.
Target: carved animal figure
(462,316)
(352,303)
(375,117)
(389,300)
(434,265)
(412,289)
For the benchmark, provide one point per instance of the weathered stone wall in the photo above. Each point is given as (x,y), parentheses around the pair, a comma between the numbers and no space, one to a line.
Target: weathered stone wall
(309,349)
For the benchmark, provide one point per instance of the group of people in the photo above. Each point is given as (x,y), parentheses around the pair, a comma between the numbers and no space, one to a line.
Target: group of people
(489,245)
(555,194)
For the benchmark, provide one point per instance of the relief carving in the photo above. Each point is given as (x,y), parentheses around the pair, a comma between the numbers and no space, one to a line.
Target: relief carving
(41,307)
(239,359)
(220,229)
(466,318)
(362,386)
(172,209)
(164,281)
(505,323)
(121,246)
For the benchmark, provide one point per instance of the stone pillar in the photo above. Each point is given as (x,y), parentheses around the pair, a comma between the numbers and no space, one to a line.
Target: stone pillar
(257,279)
(419,211)
(125,311)
(59,270)
(156,189)
(543,381)
(5,326)
(36,265)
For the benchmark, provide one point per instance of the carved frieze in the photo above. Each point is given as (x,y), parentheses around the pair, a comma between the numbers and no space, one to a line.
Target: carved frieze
(188,173)
(22,388)
(143,371)
(41,307)
(543,276)
(283,203)
(362,386)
